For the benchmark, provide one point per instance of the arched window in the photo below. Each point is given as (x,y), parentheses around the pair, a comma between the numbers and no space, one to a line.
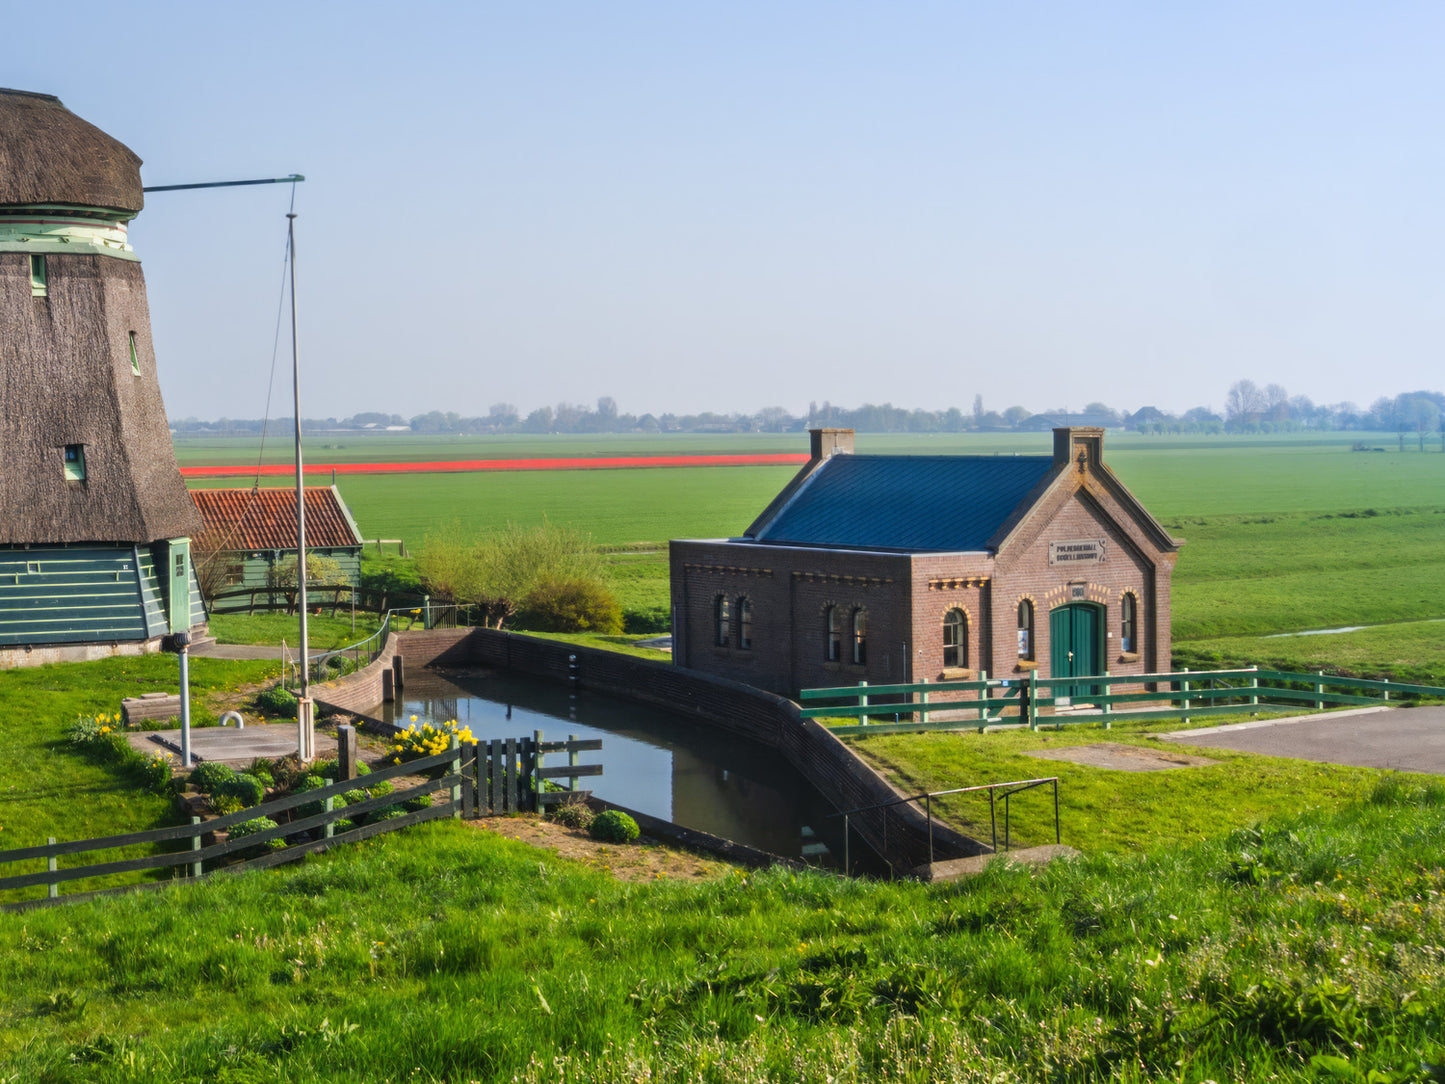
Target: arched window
(1026,629)
(1128,622)
(745,623)
(832,635)
(955,639)
(860,636)
(722,620)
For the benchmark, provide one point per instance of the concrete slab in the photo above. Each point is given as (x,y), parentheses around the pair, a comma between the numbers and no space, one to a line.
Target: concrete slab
(1402,739)
(230,745)
(1121,758)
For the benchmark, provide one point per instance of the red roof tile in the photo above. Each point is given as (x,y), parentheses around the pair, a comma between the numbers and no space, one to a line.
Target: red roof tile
(265,519)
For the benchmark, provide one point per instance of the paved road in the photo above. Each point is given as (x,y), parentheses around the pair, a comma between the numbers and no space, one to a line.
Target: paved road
(1406,739)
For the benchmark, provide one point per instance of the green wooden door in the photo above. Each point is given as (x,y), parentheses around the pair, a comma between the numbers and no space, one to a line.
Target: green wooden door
(1074,646)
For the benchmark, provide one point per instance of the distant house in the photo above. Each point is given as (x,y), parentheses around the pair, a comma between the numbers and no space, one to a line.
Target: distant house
(94,516)
(896,569)
(247,532)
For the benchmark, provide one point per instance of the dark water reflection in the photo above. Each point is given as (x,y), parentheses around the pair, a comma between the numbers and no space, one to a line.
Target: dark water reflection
(654,762)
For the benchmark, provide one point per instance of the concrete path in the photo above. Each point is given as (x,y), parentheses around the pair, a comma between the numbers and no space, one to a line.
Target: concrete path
(1405,739)
(232,745)
(238,651)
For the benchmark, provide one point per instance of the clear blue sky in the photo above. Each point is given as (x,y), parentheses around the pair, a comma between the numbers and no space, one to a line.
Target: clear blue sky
(729,205)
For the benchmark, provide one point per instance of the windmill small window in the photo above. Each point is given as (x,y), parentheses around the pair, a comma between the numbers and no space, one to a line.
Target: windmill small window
(39,281)
(134,357)
(75,462)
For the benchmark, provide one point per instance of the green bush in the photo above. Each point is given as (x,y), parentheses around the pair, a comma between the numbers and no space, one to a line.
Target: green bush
(304,784)
(277,701)
(647,620)
(571,606)
(342,824)
(210,774)
(351,797)
(252,827)
(573,815)
(614,826)
(222,804)
(331,769)
(382,788)
(263,774)
(246,789)
(386,813)
(421,801)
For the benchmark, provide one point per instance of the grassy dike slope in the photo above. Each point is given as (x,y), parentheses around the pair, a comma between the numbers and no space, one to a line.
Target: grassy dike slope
(1303,952)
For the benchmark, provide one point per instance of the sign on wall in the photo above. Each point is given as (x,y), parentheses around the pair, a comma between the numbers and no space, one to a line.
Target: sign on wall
(1078,551)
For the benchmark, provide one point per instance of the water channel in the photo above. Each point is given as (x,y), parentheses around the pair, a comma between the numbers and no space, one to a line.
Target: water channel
(652,761)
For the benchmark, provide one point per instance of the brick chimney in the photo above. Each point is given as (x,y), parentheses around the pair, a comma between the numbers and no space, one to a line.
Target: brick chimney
(1081,445)
(829,442)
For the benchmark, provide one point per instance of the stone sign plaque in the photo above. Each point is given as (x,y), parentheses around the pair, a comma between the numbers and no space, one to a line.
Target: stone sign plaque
(1078,551)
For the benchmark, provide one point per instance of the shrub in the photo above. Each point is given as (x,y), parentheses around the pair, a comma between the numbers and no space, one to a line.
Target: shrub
(263,774)
(246,789)
(331,769)
(210,774)
(351,797)
(222,804)
(573,814)
(571,606)
(380,789)
(342,824)
(421,801)
(252,827)
(287,770)
(646,620)
(386,813)
(277,701)
(306,783)
(614,826)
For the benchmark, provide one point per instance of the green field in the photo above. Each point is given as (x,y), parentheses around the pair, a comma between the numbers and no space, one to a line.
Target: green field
(1283,534)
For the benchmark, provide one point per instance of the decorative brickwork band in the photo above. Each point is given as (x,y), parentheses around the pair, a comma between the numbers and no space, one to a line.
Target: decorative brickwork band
(825,577)
(729,570)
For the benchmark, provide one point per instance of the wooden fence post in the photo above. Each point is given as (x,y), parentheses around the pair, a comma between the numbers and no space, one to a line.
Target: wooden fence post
(455,745)
(346,751)
(328,805)
(923,700)
(863,701)
(1184,703)
(196,846)
(1320,691)
(1254,689)
(51,865)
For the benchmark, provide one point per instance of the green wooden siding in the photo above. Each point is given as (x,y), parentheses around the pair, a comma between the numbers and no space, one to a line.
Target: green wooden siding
(255,567)
(85,594)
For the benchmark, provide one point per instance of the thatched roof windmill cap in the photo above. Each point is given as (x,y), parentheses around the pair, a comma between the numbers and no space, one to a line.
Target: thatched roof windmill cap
(49,155)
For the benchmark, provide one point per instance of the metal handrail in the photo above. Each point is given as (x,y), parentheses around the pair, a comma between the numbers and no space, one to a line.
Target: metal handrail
(1019,786)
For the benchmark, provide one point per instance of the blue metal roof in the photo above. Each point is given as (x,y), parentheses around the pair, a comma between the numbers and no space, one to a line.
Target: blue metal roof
(906,502)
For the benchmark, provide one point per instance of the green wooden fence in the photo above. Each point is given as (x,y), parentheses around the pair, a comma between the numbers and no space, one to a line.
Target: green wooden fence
(1181,695)
(487,778)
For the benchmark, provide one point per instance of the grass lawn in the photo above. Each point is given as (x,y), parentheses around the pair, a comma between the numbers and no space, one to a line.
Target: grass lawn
(1297,952)
(1103,810)
(323,632)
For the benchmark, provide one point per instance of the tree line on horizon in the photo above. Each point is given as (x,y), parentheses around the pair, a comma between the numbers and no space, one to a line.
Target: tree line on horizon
(1248,409)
